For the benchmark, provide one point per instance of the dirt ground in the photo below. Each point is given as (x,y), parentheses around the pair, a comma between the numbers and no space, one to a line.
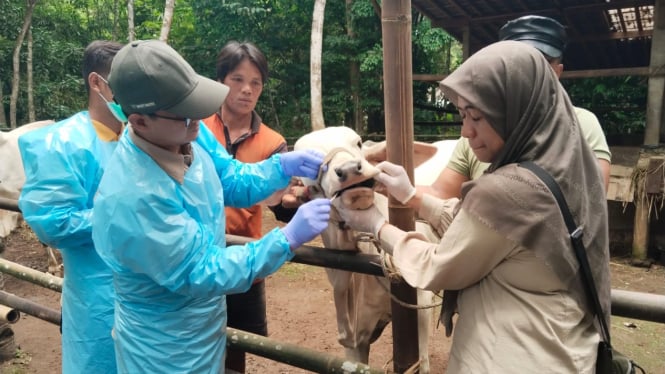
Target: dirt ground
(301,311)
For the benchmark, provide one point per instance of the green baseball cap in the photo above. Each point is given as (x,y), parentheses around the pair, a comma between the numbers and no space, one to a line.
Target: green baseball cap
(148,76)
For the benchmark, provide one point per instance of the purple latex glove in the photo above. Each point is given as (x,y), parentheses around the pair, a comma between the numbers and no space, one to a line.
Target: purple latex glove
(308,222)
(305,163)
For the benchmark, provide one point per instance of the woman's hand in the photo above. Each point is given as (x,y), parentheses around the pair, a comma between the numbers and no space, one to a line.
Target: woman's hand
(396,180)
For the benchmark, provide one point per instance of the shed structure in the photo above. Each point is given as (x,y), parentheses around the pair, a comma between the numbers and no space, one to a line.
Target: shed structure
(605,38)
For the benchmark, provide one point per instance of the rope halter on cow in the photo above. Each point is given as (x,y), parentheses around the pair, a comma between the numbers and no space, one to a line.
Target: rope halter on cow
(322,170)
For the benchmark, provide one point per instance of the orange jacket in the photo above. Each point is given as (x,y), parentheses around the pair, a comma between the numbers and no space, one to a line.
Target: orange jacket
(261,143)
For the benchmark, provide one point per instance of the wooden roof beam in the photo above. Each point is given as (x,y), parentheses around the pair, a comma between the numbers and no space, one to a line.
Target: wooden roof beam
(437,7)
(552,11)
(622,21)
(614,36)
(638,19)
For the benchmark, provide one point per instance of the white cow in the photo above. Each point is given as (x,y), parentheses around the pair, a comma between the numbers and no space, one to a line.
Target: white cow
(12,179)
(362,301)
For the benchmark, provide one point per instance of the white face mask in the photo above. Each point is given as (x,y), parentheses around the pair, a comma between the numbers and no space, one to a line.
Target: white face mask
(113,107)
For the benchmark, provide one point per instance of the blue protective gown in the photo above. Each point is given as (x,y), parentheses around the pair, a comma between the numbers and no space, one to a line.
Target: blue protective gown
(63,165)
(165,243)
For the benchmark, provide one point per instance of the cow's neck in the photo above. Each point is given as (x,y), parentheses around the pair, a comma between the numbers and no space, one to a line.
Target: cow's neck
(338,235)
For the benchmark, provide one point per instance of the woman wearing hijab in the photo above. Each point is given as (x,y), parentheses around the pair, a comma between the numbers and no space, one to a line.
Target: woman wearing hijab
(521,300)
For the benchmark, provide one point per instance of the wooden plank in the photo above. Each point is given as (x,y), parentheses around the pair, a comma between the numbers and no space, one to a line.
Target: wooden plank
(619,188)
(654,182)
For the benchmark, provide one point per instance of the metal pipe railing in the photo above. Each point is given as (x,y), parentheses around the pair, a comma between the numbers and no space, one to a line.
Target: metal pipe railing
(30,307)
(9,204)
(638,305)
(291,354)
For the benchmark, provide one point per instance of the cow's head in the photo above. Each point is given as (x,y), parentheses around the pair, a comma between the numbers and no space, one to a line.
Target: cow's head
(345,175)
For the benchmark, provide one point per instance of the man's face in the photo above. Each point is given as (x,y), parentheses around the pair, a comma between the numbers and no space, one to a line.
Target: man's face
(165,130)
(246,84)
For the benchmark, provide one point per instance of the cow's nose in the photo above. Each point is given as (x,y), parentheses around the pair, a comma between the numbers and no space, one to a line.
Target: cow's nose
(348,168)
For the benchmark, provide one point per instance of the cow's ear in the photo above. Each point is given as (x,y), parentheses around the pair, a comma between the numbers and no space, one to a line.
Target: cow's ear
(374,153)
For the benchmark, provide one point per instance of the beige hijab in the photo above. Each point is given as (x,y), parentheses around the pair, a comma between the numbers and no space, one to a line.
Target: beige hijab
(518,92)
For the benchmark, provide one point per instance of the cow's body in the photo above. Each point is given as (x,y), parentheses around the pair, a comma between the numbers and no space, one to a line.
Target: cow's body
(12,176)
(362,301)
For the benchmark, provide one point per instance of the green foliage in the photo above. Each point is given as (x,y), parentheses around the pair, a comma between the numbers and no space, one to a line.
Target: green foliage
(618,102)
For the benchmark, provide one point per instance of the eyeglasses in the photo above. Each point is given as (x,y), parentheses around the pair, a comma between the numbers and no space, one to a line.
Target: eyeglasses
(188,121)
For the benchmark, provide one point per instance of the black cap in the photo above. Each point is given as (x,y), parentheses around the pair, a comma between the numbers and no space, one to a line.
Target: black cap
(545,34)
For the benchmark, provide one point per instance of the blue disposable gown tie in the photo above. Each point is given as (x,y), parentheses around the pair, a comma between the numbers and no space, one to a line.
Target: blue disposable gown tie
(63,165)
(165,243)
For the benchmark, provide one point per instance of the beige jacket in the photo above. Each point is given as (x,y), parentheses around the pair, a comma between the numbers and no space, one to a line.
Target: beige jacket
(514,315)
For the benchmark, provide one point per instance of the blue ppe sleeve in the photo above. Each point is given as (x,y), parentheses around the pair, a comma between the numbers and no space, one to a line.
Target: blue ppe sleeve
(155,236)
(64,178)
(245,184)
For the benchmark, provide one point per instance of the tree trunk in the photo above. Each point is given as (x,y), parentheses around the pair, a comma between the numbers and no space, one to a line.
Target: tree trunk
(116,20)
(27,20)
(315,65)
(31,85)
(168,17)
(3,115)
(377,8)
(131,33)
(354,76)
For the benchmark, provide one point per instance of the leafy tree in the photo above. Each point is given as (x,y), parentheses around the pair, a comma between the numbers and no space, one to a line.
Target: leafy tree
(281,28)
(618,102)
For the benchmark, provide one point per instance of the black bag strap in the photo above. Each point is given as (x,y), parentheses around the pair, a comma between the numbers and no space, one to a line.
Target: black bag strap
(576,233)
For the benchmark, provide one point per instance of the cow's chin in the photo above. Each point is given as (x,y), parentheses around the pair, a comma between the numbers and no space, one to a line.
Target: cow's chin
(358,198)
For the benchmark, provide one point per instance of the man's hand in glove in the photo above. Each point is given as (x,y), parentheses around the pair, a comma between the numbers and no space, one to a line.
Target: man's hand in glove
(305,163)
(396,181)
(308,222)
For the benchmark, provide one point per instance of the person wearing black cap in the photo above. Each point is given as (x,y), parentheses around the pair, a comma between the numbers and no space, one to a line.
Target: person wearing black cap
(549,37)
(158,221)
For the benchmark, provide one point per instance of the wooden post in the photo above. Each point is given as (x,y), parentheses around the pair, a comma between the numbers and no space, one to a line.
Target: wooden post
(656,86)
(398,97)
(466,42)
(641,224)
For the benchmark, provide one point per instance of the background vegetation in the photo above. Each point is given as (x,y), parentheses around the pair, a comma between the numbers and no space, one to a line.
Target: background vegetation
(281,28)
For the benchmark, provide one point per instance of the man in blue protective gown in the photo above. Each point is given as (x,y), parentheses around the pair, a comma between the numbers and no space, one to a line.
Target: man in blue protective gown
(63,165)
(159,216)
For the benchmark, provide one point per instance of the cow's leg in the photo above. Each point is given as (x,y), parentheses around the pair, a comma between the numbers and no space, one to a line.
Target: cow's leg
(363,311)
(358,354)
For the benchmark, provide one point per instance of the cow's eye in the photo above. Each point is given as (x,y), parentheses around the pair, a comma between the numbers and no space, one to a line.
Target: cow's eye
(360,144)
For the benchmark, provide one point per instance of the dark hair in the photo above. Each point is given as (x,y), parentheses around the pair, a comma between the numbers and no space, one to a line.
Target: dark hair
(97,58)
(233,53)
